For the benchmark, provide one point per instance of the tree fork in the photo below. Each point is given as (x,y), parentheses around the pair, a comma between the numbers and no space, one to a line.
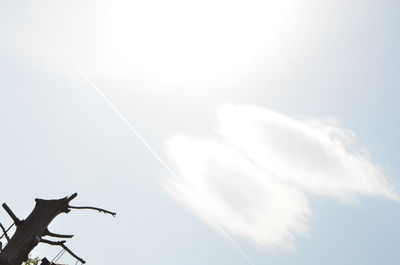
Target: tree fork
(30,232)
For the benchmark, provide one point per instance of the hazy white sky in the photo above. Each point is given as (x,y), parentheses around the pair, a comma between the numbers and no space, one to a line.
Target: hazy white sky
(278,117)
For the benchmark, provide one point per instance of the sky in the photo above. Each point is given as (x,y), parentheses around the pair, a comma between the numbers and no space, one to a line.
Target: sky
(221,132)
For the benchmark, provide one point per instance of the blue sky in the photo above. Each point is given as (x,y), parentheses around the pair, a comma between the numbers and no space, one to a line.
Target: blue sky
(169,67)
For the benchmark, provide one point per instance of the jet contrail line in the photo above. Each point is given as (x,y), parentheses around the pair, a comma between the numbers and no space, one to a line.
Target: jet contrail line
(122,117)
(155,154)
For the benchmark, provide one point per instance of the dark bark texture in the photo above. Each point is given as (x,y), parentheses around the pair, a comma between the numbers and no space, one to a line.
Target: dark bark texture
(30,232)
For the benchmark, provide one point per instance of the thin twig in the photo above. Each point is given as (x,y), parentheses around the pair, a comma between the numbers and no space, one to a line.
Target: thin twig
(61,243)
(48,233)
(93,208)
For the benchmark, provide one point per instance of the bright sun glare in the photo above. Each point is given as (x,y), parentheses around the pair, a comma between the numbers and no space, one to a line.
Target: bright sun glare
(189,40)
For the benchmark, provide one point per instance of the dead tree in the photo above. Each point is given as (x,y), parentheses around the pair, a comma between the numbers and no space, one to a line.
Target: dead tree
(30,232)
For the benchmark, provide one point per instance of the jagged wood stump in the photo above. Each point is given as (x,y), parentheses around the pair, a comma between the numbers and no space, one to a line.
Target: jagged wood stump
(30,232)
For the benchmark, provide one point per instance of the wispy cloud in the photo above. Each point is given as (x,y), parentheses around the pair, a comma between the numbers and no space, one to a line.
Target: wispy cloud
(255,178)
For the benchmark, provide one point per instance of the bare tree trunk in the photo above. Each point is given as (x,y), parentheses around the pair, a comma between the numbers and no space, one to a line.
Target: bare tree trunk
(31,231)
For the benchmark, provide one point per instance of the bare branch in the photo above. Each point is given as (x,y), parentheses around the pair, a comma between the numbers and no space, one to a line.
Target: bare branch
(93,208)
(4,232)
(61,243)
(12,215)
(53,243)
(48,233)
(73,196)
(33,229)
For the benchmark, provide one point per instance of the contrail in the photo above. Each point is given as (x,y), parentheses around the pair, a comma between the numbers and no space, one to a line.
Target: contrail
(122,117)
(148,146)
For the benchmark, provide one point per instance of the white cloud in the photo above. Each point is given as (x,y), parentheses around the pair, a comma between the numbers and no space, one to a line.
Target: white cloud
(255,178)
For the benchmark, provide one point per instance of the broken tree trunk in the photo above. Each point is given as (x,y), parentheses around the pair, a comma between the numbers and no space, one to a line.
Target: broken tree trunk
(30,232)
